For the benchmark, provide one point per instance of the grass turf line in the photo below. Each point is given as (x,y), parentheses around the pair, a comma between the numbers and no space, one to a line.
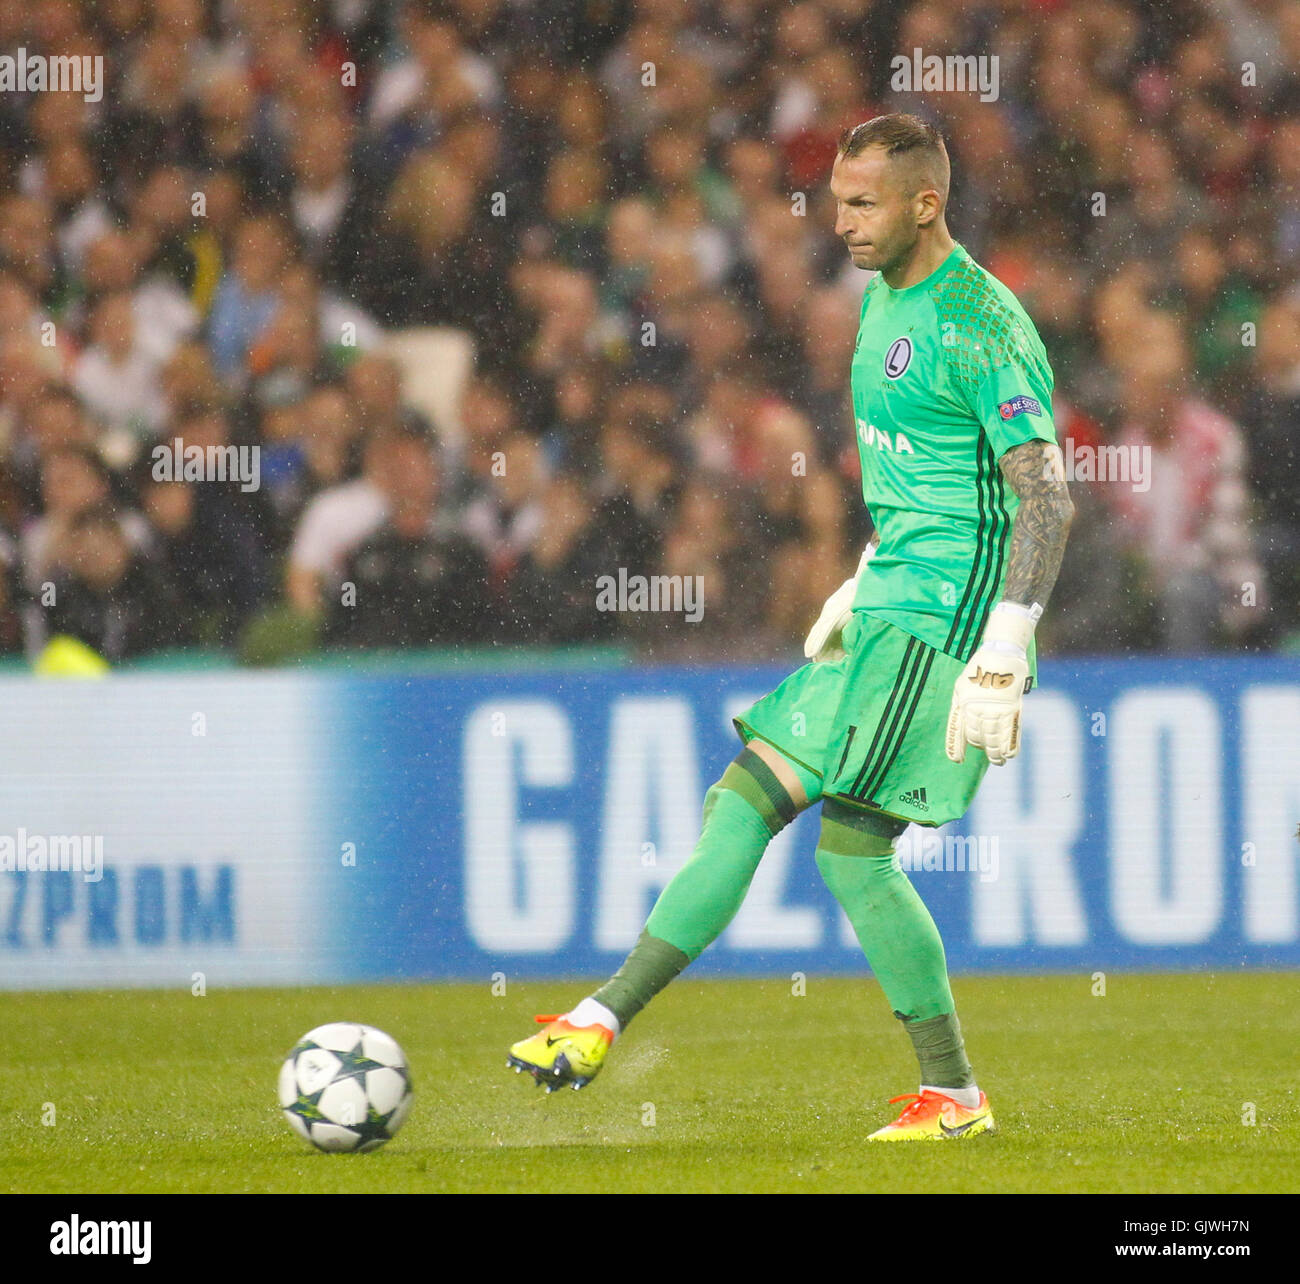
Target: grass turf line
(748,1089)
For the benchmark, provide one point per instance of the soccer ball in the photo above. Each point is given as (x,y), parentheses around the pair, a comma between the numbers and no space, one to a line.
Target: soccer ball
(346,1087)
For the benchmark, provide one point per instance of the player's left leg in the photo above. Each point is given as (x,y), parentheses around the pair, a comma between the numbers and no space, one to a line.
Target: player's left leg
(760,793)
(856,856)
(891,767)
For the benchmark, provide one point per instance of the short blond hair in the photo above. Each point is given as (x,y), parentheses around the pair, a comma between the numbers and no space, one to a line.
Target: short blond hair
(907,138)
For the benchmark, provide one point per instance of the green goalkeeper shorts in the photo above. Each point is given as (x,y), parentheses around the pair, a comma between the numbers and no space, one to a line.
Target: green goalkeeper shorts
(873,725)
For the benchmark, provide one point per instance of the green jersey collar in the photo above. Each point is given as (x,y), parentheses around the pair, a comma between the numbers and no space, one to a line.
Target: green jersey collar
(958,253)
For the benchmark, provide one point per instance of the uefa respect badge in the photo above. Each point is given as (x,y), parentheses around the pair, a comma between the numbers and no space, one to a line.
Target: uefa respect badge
(1021,405)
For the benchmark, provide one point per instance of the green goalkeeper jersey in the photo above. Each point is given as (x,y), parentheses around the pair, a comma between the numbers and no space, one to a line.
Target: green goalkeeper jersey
(948,374)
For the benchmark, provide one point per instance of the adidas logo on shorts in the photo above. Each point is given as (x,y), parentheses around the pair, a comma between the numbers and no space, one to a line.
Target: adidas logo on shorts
(915,798)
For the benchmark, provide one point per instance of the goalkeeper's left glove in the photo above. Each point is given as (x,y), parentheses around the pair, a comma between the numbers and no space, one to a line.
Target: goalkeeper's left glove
(823,640)
(987,695)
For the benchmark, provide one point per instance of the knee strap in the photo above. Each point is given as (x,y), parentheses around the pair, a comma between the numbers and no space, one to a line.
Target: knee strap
(756,783)
(853,831)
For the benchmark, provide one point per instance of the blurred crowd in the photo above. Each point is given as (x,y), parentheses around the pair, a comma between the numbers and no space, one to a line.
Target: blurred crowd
(623,205)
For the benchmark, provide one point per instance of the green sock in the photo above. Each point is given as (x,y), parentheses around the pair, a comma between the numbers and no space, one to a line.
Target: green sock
(741,814)
(940,1050)
(650,966)
(855,854)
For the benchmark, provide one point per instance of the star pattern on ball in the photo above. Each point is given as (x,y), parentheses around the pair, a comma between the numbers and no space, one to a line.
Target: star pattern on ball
(353,1064)
(338,1132)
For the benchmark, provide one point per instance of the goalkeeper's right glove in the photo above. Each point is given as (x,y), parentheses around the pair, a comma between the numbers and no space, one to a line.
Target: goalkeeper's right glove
(823,641)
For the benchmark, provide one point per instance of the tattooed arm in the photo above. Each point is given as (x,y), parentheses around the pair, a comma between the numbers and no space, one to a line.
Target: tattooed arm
(986,697)
(1037,475)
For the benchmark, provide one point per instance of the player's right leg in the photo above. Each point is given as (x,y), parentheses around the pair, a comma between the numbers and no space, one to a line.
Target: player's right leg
(856,856)
(895,769)
(760,793)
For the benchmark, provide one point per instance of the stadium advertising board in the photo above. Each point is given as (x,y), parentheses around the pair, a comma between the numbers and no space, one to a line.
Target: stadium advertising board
(292,829)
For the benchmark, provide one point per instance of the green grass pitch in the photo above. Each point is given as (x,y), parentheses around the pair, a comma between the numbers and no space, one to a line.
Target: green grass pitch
(718,1086)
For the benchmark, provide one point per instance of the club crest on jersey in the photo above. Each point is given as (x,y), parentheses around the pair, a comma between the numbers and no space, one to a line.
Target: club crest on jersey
(1020,405)
(899,357)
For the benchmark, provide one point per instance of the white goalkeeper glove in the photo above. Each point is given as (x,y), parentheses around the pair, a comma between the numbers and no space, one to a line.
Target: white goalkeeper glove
(987,696)
(823,641)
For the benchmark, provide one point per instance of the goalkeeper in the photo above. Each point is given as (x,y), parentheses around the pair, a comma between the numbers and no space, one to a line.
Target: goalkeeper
(918,665)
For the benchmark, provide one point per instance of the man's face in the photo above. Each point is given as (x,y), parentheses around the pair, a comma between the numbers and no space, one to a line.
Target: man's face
(55,423)
(411,476)
(99,555)
(873,214)
(257,255)
(69,484)
(170,506)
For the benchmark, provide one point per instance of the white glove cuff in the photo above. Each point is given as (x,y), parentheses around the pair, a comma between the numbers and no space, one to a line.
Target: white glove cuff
(1011,627)
(867,554)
